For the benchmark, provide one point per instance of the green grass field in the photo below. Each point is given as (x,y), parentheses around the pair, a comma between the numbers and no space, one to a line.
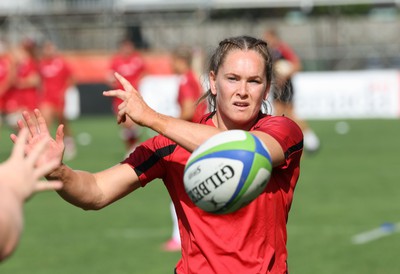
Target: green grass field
(349,187)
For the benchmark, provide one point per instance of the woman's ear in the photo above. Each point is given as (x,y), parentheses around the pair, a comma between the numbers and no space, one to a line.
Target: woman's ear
(212,78)
(267,90)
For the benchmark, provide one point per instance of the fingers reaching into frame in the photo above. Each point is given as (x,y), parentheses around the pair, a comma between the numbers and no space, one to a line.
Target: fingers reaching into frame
(45,168)
(20,140)
(50,185)
(21,126)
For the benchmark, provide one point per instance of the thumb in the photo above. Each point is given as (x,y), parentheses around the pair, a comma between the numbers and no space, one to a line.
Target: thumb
(60,135)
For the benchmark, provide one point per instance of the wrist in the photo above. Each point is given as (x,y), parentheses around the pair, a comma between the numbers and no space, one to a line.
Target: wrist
(158,122)
(57,173)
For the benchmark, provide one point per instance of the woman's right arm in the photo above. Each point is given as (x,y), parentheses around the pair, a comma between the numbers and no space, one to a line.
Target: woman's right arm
(80,188)
(93,191)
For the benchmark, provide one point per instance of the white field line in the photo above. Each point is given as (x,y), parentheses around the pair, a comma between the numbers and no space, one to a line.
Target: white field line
(376,233)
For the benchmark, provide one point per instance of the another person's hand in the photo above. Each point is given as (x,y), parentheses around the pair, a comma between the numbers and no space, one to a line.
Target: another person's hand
(133,104)
(39,131)
(21,173)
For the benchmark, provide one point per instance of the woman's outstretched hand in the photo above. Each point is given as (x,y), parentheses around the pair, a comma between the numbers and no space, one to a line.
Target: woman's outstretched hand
(133,105)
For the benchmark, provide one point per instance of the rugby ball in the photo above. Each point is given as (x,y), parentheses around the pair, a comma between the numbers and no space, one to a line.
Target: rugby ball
(227,172)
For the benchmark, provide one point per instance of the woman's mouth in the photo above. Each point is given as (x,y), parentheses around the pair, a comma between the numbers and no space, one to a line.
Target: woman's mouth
(241,104)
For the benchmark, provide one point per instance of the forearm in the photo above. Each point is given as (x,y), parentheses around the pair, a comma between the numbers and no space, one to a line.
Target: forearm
(79,189)
(187,134)
(11,222)
(191,135)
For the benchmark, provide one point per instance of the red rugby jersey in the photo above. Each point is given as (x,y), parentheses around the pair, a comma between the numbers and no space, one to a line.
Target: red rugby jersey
(55,74)
(250,240)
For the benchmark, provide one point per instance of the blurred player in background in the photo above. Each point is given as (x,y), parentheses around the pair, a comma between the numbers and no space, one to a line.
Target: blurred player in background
(189,93)
(24,91)
(56,78)
(286,64)
(7,74)
(190,89)
(19,179)
(250,240)
(129,63)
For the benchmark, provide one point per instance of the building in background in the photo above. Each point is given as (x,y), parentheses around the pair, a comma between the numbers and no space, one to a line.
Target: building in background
(340,35)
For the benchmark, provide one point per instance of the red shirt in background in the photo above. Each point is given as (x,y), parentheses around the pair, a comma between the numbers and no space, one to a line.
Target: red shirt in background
(56,75)
(23,98)
(284,51)
(5,70)
(131,68)
(190,89)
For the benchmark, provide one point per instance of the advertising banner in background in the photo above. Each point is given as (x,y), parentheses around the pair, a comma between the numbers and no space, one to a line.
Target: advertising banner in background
(161,93)
(318,95)
(347,94)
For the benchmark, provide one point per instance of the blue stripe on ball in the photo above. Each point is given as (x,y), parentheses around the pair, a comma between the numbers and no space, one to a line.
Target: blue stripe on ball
(260,149)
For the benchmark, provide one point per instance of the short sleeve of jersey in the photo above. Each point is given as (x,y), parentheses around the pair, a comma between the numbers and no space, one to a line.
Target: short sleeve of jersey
(189,88)
(288,53)
(286,132)
(149,159)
